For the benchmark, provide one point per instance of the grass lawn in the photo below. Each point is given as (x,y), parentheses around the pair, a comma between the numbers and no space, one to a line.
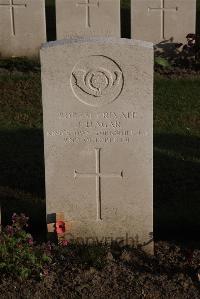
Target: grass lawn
(177,156)
(176,145)
(176,153)
(21,150)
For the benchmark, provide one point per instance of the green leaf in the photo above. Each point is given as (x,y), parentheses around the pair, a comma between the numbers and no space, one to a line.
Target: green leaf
(162,62)
(46,258)
(24,273)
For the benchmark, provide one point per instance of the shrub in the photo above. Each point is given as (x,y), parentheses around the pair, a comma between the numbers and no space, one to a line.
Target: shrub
(19,256)
(169,54)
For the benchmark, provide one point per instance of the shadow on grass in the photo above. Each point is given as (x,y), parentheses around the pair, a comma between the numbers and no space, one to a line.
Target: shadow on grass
(22,187)
(176,187)
(176,182)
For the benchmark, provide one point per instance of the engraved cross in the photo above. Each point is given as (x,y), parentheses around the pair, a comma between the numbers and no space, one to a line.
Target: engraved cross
(87,5)
(162,9)
(98,175)
(12,7)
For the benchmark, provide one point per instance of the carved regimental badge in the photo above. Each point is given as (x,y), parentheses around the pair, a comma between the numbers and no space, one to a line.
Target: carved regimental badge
(96,80)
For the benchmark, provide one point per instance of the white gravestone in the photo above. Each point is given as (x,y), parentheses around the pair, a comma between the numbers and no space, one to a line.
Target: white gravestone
(22,27)
(161,20)
(97,105)
(87,18)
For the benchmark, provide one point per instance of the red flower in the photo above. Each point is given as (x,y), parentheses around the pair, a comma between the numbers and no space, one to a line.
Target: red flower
(60,227)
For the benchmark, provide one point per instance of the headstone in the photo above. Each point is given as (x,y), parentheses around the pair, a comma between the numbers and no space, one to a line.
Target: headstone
(97,109)
(161,20)
(87,18)
(22,27)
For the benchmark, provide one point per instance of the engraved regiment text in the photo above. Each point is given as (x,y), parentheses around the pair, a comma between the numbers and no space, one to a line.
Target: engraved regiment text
(95,128)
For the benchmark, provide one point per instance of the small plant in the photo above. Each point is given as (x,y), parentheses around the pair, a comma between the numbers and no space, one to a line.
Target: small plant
(191,50)
(162,62)
(169,54)
(92,256)
(19,256)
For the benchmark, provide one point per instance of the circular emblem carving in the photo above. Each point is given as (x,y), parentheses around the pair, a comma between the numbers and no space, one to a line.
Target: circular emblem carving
(96,80)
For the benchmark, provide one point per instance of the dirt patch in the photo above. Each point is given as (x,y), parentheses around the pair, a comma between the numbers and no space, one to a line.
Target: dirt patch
(126,273)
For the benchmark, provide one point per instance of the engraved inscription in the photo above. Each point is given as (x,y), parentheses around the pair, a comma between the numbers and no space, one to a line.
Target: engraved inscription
(98,140)
(96,80)
(104,115)
(162,10)
(11,5)
(98,175)
(96,127)
(88,5)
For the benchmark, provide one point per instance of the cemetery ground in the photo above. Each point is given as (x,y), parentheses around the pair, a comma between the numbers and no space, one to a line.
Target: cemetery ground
(94,270)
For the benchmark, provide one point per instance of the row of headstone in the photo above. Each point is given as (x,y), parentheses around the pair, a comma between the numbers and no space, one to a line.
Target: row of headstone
(23,25)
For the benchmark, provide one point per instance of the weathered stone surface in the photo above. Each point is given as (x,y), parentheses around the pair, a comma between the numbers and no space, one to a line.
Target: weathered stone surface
(97,103)
(22,27)
(159,20)
(87,18)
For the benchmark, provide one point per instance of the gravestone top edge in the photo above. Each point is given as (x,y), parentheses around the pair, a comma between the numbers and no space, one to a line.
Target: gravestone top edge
(97,40)
(97,95)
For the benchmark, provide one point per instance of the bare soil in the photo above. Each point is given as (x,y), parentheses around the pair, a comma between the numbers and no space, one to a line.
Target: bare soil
(123,273)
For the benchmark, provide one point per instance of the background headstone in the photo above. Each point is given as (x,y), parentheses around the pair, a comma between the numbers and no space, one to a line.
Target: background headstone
(87,18)
(22,27)
(159,20)
(97,108)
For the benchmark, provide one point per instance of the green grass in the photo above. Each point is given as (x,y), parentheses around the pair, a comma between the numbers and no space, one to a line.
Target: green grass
(176,147)
(177,104)
(177,155)
(21,150)
(176,152)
